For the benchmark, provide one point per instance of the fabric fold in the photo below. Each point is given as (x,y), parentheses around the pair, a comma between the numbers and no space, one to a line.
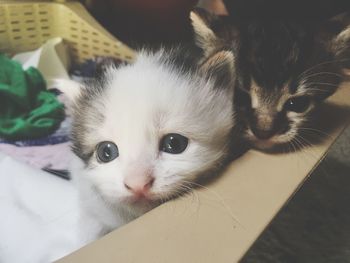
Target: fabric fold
(27,109)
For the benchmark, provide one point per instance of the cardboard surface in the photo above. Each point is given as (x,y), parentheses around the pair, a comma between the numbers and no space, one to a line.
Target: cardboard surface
(219,222)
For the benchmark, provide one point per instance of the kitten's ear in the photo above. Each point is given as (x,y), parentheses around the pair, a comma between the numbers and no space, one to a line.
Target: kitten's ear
(220,67)
(70,88)
(205,37)
(340,45)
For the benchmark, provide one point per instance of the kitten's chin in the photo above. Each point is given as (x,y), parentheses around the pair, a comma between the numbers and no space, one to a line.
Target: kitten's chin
(268,145)
(264,145)
(151,200)
(141,201)
(138,207)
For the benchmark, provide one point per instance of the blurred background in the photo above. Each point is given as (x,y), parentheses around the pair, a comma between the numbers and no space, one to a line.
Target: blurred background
(153,21)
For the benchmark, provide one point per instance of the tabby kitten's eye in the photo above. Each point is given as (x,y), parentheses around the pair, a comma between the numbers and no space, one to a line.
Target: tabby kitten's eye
(107,151)
(173,143)
(298,104)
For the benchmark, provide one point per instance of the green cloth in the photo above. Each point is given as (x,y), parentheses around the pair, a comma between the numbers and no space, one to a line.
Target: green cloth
(27,109)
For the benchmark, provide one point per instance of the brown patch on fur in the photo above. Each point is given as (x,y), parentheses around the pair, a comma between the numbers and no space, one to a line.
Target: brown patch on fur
(220,68)
(254,94)
(217,60)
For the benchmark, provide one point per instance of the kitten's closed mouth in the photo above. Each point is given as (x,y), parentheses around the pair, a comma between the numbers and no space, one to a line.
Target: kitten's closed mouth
(263,144)
(140,199)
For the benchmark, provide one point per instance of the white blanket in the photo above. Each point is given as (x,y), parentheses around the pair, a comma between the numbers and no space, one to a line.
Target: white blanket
(38,214)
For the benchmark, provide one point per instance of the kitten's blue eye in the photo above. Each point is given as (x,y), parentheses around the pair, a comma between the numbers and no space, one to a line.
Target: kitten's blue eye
(173,143)
(107,151)
(298,104)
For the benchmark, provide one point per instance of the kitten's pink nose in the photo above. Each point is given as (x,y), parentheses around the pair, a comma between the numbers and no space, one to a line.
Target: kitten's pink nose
(139,185)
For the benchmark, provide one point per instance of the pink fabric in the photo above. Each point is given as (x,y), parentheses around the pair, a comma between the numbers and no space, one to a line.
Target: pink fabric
(49,156)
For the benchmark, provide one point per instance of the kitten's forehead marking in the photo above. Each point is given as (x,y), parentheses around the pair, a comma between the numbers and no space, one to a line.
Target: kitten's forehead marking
(262,101)
(284,96)
(301,90)
(254,94)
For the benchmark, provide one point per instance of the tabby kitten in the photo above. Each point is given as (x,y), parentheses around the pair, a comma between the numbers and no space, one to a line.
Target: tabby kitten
(285,69)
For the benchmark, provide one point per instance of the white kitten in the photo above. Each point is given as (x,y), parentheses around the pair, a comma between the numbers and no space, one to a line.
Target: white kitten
(146,130)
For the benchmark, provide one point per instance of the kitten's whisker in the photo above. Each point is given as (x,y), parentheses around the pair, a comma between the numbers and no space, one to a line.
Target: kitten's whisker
(323,73)
(290,147)
(298,149)
(304,155)
(321,83)
(299,146)
(316,157)
(311,151)
(184,190)
(315,89)
(317,132)
(293,146)
(307,147)
(302,149)
(309,90)
(304,144)
(321,64)
(181,190)
(194,194)
(219,197)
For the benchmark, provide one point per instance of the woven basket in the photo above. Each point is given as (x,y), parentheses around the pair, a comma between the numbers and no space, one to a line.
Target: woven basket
(26,25)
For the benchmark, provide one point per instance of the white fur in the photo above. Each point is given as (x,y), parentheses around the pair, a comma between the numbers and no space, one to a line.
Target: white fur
(69,87)
(141,103)
(38,212)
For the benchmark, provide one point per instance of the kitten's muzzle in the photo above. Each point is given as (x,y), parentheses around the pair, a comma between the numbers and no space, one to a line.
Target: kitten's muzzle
(139,186)
(263,134)
(266,126)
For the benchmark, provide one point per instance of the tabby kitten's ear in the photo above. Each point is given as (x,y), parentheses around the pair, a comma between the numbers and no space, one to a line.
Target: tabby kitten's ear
(220,68)
(340,45)
(205,37)
(218,62)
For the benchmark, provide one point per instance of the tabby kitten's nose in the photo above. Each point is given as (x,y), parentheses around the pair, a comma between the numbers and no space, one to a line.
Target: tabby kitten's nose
(263,134)
(265,125)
